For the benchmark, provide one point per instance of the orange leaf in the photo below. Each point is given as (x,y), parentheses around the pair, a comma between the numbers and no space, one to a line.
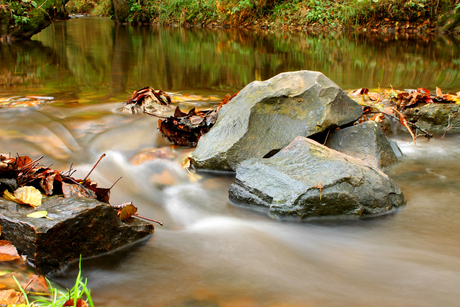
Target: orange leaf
(8,251)
(37,284)
(438,92)
(10,297)
(423,91)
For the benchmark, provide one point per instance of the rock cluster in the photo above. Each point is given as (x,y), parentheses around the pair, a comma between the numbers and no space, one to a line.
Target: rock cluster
(262,135)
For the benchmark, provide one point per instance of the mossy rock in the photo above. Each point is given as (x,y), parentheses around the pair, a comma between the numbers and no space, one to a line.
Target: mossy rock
(37,17)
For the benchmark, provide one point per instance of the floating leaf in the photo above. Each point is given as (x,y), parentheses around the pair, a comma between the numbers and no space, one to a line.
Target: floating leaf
(39,214)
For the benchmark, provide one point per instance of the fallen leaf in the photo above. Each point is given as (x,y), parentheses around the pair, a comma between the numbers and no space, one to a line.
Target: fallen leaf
(8,251)
(80,303)
(39,214)
(37,284)
(126,211)
(438,92)
(26,196)
(10,297)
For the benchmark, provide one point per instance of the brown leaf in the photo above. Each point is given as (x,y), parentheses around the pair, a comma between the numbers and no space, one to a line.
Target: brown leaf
(178,113)
(227,98)
(359,92)
(78,190)
(8,251)
(126,211)
(37,284)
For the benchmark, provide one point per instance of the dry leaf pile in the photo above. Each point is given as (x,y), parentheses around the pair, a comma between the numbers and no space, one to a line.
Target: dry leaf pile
(185,129)
(23,181)
(393,103)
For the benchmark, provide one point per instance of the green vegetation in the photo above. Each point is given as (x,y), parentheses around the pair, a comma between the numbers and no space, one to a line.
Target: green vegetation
(21,19)
(59,298)
(284,13)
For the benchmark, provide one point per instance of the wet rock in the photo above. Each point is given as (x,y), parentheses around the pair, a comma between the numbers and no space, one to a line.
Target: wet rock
(307,179)
(266,116)
(435,118)
(80,226)
(364,141)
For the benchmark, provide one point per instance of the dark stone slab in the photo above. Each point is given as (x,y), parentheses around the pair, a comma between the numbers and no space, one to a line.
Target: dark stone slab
(80,226)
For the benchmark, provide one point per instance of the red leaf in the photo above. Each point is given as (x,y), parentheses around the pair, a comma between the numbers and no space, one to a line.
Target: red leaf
(80,303)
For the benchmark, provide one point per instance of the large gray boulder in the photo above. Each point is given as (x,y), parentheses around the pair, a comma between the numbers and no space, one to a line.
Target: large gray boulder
(365,141)
(266,116)
(307,179)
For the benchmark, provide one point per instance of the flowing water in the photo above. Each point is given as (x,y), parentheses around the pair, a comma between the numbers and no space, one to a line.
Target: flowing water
(210,253)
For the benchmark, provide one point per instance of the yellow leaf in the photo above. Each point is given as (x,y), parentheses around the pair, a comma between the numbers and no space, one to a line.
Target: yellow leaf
(39,214)
(28,196)
(127,211)
(7,195)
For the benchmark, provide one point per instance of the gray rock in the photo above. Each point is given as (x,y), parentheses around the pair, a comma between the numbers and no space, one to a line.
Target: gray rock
(266,116)
(435,118)
(80,226)
(364,141)
(307,179)
(396,150)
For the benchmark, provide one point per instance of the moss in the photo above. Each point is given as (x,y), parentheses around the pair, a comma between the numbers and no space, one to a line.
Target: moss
(28,18)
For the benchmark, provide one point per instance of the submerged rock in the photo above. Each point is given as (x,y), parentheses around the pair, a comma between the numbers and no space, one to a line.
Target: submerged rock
(307,179)
(364,141)
(435,118)
(266,116)
(80,226)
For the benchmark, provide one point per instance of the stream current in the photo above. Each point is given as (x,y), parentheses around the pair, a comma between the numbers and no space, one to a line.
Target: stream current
(210,253)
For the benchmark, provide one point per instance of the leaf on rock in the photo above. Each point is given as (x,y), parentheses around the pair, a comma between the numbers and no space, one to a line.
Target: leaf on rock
(26,196)
(8,251)
(77,190)
(125,211)
(39,214)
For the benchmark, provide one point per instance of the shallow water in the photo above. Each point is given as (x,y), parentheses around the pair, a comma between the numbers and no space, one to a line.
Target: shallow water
(210,253)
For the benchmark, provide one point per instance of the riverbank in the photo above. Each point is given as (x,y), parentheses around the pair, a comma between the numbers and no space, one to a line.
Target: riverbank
(397,16)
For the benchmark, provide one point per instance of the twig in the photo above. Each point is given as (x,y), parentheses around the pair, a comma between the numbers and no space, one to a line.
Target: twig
(449,125)
(115,183)
(148,219)
(327,136)
(103,155)
(404,122)
(151,114)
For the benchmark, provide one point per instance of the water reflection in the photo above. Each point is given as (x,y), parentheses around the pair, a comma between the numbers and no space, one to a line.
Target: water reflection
(89,60)
(210,253)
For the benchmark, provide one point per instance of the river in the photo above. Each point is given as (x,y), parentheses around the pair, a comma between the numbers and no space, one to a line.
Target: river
(210,253)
